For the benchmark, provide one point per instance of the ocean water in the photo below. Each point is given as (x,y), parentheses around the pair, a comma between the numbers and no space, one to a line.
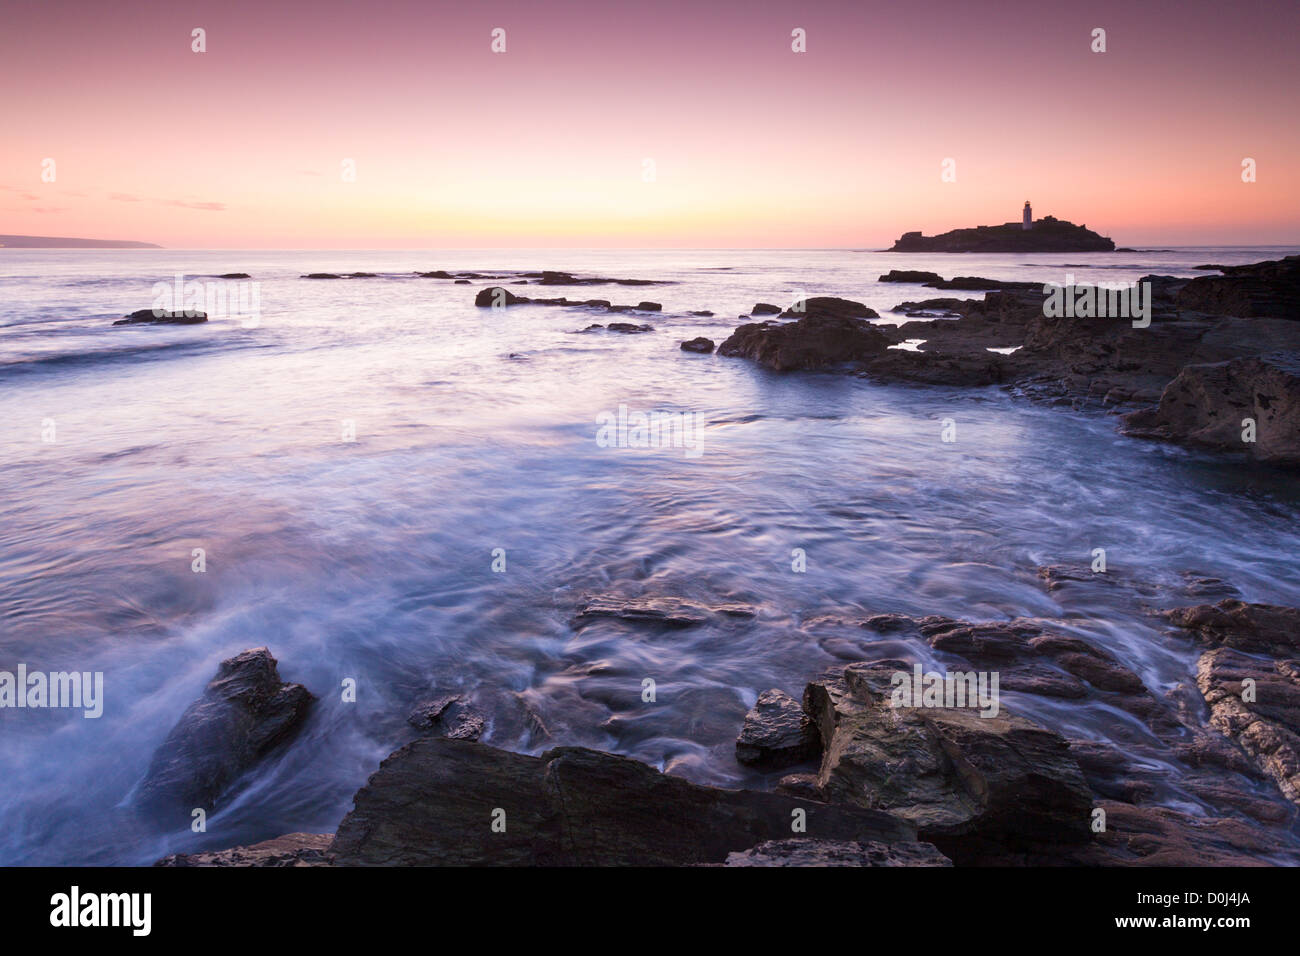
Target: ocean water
(476,430)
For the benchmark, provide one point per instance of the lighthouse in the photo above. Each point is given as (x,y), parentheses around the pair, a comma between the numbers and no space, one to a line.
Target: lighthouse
(1028,221)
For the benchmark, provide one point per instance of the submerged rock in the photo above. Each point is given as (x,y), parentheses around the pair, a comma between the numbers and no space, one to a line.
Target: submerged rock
(449,716)
(438,801)
(777,733)
(245,711)
(662,611)
(699,344)
(150,317)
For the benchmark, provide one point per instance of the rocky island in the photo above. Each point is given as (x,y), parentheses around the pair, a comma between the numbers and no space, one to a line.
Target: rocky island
(1047,234)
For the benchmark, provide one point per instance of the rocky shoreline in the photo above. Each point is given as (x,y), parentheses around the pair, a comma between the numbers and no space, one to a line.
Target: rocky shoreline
(870,782)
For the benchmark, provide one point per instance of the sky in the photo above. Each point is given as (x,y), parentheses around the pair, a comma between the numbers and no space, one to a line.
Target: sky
(644,125)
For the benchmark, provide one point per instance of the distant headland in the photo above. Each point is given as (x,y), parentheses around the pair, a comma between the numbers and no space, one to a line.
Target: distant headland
(59,242)
(1048,234)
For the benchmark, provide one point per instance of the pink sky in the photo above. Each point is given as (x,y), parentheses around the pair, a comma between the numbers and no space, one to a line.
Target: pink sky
(753,145)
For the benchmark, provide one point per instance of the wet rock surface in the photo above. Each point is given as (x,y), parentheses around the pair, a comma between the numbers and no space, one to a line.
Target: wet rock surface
(830,853)
(292,849)
(244,713)
(434,802)
(699,344)
(777,733)
(817,341)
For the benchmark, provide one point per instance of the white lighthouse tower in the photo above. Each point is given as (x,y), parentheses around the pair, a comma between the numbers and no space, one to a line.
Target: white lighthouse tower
(1028,221)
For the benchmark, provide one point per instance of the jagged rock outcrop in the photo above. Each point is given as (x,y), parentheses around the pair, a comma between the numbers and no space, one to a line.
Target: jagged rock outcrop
(1214,406)
(245,711)
(1260,289)
(777,733)
(435,801)
(1256,704)
(958,776)
(1254,628)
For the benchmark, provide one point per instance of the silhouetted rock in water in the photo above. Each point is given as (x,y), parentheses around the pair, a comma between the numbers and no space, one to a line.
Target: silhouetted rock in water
(438,801)
(703,312)
(765,308)
(1250,405)
(627,328)
(1254,628)
(910,275)
(956,775)
(436,274)
(461,282)
(292,849)
(777,733)
(662,611)
(1048,234)
(234,275)
(816,341)
(831,306)
(1269,289)
(320,275)
(149,317)
(448,716)
(961,283)
(698,344)
(565,278)
(362,275)
(1256,704)
(805,852)
(245,711)
(498,296)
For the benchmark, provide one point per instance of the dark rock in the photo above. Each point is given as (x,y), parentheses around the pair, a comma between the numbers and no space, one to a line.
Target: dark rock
(434,802)
(149,317)
(629,328)
(1254,628)
(764,308)
(461,282)
(830,306)
(496,295)
(320,275)
(1260,289)
(449,716)
(648,306)
(661,611)
(910,275)
(292,849)
(803,852)
(245,712)
(777,733)
(703,312)
(949,771)
(1047,235)
(816,341)
(698,344)
(234,275)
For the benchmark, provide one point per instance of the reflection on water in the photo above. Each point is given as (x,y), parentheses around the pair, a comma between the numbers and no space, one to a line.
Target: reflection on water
(476,430)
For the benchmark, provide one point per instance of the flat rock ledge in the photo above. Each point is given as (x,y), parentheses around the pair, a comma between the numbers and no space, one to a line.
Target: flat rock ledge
(438,801)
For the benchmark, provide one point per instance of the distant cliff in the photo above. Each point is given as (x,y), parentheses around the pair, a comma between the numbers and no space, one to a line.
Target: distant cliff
(1048,235)
(57,242)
